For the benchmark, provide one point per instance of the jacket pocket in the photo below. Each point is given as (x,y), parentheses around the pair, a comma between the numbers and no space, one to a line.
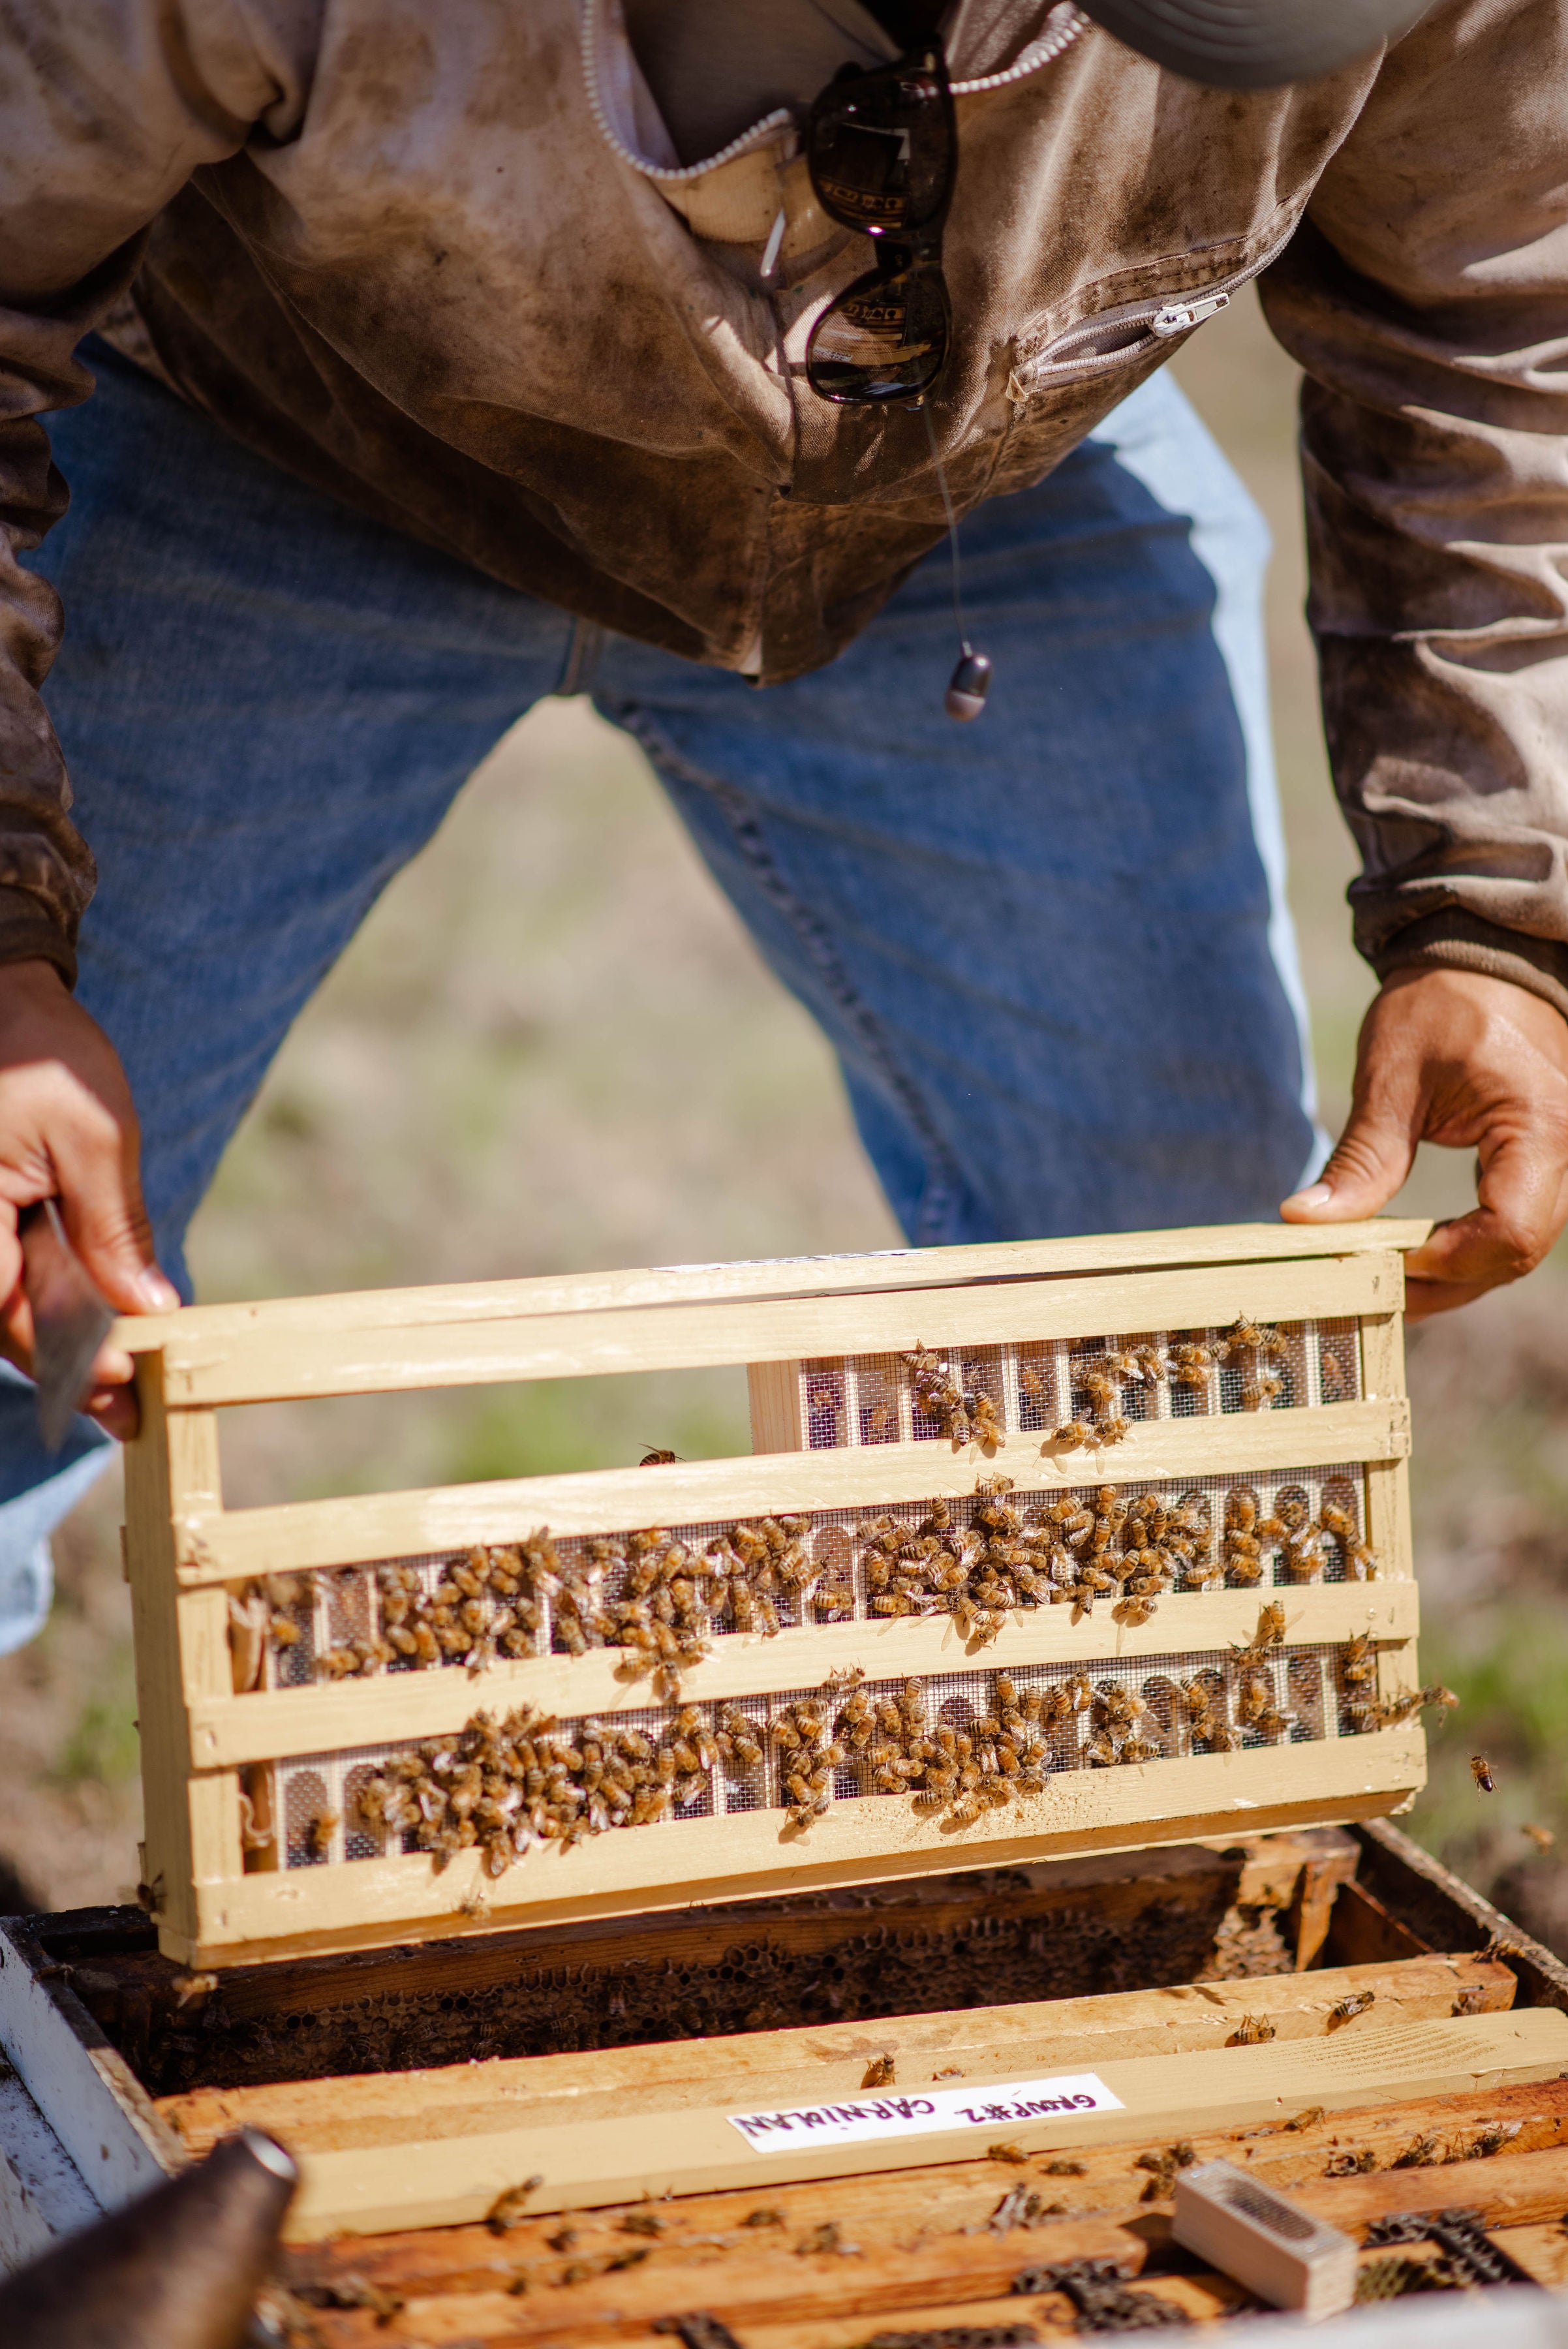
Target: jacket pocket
(1121,337)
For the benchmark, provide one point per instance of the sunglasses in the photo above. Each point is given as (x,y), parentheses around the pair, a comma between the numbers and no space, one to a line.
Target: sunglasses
(882,150)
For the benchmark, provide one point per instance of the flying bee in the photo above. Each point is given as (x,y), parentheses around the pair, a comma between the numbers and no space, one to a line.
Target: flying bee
(1481,1771)
(1253,2030)
(1541,1837)
(1355,2003)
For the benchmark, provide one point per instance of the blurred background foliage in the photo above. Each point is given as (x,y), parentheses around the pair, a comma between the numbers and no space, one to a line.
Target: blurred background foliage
(553,1048)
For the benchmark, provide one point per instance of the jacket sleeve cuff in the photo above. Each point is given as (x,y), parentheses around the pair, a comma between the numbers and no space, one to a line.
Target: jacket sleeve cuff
(1455,940)
(28,935)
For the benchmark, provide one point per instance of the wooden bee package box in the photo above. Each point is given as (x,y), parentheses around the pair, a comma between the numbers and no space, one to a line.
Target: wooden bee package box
(1042,1549)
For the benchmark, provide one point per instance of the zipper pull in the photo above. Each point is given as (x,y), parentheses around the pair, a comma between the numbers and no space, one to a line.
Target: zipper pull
(1177,316)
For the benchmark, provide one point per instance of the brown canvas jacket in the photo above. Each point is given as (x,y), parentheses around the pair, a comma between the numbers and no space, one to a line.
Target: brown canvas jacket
(441,261)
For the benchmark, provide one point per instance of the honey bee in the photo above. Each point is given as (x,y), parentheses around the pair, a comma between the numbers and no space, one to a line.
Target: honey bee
(1258,1392)
(1541,1837)
(284,1631)
(1133,1611)
(1269,1634)
(985,1427)
(317,1838)
(1009,2153)
(879,2072)
(1471,2000)
(1253,2030)
(1359,1660)
(1355,2003)
(1099,1751)
(1074,1436)
(510,2209)
(1245,1337)
(1137,1748)
(1111,1430)
(1481,1771)
(657,1459)
(1340,1525)
(1192,1363)
(1253,1699)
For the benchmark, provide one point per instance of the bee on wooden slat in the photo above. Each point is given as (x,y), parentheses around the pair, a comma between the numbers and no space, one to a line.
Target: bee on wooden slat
(1253,2030)
(1355,2003)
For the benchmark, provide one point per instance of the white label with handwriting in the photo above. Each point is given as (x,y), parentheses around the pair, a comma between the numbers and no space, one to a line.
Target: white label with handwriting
(1000,2105)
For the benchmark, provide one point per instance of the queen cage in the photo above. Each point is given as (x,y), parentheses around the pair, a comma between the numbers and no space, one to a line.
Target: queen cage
(1111,1538)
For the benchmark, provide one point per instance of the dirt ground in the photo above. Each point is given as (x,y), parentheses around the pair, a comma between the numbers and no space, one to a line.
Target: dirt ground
(552,1047)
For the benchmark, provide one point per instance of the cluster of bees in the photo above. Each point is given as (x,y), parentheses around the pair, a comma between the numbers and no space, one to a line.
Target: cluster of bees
(503,1786)
(532,1779)
(1291,1531)
(1254,1348)
(1366,1709)
(1128,1549)
(490,1602)
(1071,1552)
(964,1770)
(967,1414)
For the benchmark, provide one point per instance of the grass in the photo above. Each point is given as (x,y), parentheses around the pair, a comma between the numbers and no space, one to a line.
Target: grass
(552,1047)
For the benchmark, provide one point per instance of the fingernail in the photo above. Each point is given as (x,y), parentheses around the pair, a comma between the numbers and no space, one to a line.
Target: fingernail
(158,1295)
(1316,1195)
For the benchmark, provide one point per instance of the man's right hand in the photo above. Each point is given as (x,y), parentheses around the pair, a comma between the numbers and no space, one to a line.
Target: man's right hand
(67,1131)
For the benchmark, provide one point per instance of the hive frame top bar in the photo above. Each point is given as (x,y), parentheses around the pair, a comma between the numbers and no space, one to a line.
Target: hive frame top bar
(772,1278)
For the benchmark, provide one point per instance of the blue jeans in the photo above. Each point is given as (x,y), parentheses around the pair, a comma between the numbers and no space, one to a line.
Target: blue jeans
(1051,949)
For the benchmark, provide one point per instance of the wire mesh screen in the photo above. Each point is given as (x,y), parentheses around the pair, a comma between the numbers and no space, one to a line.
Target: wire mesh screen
(664,1596)
(1037,1386)
(953,1744)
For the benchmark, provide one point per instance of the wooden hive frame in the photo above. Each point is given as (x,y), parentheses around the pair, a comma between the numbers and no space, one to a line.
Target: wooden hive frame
(210,1746)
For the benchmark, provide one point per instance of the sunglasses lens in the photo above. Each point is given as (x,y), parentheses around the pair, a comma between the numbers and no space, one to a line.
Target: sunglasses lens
(886,338)
(880,147)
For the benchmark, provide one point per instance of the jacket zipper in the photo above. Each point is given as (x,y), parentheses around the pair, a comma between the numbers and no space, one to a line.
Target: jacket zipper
(1160,317)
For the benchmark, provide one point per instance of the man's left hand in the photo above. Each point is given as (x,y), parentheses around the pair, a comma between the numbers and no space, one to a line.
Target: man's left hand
(1473,1063)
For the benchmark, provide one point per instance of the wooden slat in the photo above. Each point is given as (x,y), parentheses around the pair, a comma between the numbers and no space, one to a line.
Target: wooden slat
(802,2066)
(1516,2189)
(585,2163)
(295,1536)
(41,2196)
(778,1423)
(895,2213)
(173,1460)
(269,1364)
(360,1903)
(887,1269)
(259,1727)
(84,2089)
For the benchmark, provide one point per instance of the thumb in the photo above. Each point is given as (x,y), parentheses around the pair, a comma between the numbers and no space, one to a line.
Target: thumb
(1371,1160)
(107,1222)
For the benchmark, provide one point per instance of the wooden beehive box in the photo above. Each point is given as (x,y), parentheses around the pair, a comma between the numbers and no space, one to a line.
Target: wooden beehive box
(1081,1662)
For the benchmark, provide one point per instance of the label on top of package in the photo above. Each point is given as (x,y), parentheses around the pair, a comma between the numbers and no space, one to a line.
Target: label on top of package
(997,2104)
